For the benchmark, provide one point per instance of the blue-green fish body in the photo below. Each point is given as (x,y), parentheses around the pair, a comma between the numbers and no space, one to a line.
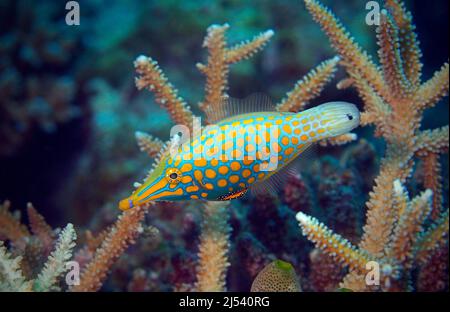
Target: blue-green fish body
(240,152)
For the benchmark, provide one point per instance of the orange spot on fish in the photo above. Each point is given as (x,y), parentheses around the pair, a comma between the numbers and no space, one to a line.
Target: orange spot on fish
(234,178)
(235,166)
(223,169)
(210,173)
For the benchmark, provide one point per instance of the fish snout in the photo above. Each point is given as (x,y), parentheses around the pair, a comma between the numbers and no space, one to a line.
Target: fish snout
(126,204)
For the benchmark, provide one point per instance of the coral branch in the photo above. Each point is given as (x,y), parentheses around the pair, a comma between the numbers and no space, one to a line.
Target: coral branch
(118,239)
(390,58)
(380,218)
(339,140)
(152,78)
(409,46)
(40,228)
(434,89)
(409,224)
(433,181)
(394,103)
(309,87)
(434,238)
(10,227)
(354,281)
(248,48)
(214,246)
(333,244)
(11,277)
(56,263)
(216,69)
(219,59)
(432,141)
(377,111)
(149,144)
(355,60)
(401,199)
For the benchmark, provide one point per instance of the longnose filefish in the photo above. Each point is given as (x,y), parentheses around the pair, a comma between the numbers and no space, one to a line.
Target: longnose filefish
(240,152)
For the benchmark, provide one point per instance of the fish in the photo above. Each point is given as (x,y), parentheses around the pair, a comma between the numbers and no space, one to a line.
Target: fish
(247,150)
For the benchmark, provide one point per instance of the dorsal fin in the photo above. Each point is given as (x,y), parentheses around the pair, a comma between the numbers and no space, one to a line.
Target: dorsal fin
(229,107)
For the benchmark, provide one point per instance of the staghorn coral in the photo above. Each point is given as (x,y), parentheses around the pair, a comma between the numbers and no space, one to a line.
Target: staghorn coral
(10,226)
(401,252)
(394,101)
(95,257)
(121,235)
(213,248)
(13,278)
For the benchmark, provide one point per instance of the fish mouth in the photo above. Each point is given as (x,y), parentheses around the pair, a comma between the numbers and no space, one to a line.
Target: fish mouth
(126,204)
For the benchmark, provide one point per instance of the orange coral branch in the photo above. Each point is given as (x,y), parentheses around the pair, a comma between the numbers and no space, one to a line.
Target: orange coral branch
(401,199)
(390,57)
(216,69)
(432,141)
(149,144)
(118,239)
(409,52)
(10,227)
(219,59)
(333,244)
(355,60)
(409,224)
(380,218)
(40,227)
(339,140)
(434,238)
(214,246)
(247,48)
(309,87)
(394,103)
(434,89)
(345,83)
(433,181)
(152,78)
(377,111)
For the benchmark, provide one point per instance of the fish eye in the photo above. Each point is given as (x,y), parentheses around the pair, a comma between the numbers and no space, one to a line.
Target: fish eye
(350,116)
(173,175)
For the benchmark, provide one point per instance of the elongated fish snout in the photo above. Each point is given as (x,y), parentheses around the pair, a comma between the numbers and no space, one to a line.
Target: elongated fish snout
(126,204)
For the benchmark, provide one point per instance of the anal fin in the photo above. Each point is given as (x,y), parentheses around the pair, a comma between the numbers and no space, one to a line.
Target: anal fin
(233,195)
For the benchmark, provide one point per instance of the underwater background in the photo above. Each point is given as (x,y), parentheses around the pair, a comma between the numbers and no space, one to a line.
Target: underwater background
(69,110)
